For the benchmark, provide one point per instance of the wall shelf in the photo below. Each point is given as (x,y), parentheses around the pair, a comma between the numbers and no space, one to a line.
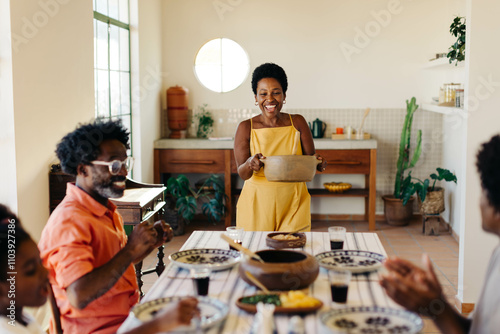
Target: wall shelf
(442,63)
(441,109)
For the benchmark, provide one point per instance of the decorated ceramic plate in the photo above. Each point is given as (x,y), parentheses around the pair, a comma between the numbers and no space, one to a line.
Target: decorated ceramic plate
(252,308)
(215,259)
(212,311)
(371,319)
(356,261)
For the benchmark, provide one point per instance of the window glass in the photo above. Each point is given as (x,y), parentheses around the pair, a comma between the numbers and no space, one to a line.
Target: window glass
(112,61)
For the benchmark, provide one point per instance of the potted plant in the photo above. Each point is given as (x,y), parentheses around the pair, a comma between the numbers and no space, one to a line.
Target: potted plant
(457,50)
(205,122)
(431,199)
(398,207)
(185,199)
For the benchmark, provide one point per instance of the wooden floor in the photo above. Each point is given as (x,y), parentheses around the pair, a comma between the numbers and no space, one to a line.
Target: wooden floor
(407,242)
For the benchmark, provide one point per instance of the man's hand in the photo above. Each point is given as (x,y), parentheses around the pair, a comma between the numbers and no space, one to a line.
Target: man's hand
(164,232)
(142,239)
(410,286)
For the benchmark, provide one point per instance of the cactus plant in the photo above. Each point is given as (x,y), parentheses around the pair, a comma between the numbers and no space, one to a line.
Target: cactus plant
(404,187)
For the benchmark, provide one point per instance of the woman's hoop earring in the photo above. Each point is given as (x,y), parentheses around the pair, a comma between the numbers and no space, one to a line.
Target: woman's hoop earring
(256,103)
(284,101)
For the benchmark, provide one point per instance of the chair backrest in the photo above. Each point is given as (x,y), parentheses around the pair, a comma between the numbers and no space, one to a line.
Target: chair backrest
(55,312)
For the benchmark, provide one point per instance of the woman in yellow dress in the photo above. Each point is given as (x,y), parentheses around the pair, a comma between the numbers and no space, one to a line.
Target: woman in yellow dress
(264,205)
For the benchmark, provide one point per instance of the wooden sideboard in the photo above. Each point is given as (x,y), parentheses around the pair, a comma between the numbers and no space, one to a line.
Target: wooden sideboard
(221,161)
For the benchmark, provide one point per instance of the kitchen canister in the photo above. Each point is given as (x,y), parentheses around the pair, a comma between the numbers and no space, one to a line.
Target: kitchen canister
(177,111)
(459,98)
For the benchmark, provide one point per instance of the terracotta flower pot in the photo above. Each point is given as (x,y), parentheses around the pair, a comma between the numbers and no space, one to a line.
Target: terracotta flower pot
(395,212)
(282,270)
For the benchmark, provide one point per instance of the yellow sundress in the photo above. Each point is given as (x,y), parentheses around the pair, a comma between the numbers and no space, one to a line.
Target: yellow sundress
(273,206)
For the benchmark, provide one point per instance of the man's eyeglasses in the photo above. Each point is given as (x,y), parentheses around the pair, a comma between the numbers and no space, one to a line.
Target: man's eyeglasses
(115,166)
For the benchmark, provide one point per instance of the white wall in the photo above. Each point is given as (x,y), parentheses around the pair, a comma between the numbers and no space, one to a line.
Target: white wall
(147,78)
(305,37)
(8,189)
(482,100)
(52,65)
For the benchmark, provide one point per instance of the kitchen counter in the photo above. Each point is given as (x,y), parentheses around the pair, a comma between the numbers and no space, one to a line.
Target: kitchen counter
(319,144)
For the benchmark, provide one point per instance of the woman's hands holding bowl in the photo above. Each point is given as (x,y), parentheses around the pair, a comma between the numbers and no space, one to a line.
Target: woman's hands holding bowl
(322,165)
(254,162)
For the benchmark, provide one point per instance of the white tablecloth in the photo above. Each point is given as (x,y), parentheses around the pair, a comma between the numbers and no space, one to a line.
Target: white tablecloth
(227,286)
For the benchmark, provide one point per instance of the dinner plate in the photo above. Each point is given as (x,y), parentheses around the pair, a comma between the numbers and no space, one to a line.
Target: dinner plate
(212,311)
(214,259)
(356,261)
(371,319)
(251,308)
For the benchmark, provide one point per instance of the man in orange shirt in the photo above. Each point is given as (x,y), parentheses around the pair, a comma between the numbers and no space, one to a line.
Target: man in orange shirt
(84,246)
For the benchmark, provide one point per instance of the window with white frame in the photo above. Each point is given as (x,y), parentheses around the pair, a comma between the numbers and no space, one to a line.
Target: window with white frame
(112,61)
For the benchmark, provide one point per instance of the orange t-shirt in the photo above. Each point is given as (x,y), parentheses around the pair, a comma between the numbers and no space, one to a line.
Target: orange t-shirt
(81,235)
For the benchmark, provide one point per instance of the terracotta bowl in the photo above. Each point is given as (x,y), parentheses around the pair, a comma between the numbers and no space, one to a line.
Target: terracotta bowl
(290,168)
(278,244)
(282,270)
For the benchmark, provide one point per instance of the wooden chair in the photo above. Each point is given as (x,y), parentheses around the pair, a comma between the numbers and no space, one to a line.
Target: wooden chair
(55,312)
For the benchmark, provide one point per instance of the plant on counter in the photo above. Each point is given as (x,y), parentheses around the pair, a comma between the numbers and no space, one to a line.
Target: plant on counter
(457,50)
(205,121)
(186,198)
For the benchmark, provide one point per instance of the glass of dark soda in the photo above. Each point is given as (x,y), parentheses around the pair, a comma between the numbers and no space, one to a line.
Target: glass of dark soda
(337,237)
(201,279)
(339,284)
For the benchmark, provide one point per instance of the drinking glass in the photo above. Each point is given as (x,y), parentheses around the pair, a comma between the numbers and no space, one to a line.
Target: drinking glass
(337,237)
(201,280)
(339,284)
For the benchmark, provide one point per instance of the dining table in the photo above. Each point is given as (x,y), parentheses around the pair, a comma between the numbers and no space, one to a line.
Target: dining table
(227,285)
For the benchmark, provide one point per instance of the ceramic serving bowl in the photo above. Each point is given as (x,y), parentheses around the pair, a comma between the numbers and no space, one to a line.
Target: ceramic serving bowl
(291,243)
(282,270)
(290,168)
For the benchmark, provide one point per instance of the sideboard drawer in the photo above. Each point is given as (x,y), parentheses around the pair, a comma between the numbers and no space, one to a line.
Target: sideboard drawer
(346,161)
(191,161)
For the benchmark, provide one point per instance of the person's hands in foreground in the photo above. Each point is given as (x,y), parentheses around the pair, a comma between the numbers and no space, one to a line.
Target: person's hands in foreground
(412,287)
(178,314)
(321,166)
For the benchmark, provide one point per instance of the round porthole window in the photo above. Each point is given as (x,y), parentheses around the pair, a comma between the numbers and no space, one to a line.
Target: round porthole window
(221,65)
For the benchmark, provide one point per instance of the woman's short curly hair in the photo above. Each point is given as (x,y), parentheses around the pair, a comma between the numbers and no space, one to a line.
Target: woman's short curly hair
(269,70)
(82,145)
(488,166)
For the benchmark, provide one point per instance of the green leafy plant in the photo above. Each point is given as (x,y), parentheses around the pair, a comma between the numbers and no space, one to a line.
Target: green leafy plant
(403,187)
(422,187)
(205,122)
(457,50)
(186,197)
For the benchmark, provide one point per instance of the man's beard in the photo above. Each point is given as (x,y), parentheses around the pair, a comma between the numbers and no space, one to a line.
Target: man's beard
(104,187)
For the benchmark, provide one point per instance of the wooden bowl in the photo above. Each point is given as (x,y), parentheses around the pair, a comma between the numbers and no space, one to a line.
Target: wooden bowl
(290,168)
(282,270)
(278,244)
